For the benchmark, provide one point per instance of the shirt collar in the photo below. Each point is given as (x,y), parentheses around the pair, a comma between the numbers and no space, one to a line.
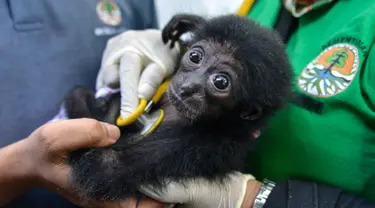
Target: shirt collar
(300,7)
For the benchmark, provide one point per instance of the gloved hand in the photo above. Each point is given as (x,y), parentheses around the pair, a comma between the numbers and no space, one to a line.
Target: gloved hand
(137,62)
(200,193)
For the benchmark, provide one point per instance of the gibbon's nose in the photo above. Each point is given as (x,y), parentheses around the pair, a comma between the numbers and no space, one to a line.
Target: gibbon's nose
(187,89)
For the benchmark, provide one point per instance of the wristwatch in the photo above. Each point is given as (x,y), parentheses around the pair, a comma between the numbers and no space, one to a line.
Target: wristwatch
(264,192)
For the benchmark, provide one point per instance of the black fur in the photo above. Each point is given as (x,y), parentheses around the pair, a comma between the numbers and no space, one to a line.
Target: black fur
(183,147)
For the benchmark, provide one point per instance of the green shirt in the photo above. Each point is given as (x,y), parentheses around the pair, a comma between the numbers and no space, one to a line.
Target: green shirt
(334,63)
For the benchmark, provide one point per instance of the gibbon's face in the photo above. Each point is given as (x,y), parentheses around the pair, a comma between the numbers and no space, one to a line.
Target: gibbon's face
(206,83)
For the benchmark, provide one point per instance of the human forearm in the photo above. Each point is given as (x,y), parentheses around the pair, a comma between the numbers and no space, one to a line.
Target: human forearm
(253,187)
(14,171)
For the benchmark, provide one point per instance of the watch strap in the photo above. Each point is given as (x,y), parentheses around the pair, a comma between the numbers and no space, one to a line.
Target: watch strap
(264,192)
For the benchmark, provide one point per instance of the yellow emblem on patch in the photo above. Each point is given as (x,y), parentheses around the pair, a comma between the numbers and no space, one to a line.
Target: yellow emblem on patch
(109,12)
(331,72)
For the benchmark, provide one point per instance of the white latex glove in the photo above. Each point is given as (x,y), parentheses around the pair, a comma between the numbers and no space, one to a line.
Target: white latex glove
(200,193)
(137,61)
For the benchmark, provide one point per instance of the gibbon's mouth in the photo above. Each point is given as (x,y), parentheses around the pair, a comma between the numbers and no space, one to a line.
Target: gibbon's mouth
(181,105)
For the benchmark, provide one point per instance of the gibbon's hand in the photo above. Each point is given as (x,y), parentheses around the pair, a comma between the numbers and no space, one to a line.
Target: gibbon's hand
(137,62)
(237,190)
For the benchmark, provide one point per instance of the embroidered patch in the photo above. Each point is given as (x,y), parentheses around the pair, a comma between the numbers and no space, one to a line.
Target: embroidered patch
(109,12)
(331,72)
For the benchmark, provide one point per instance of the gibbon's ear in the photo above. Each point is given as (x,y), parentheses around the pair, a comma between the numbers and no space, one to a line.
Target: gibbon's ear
(252,115)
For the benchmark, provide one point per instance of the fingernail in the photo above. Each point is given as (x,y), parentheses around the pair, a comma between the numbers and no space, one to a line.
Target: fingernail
(113,131)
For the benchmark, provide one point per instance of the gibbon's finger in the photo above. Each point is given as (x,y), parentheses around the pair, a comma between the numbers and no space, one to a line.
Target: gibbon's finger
(176,37)
(168,29)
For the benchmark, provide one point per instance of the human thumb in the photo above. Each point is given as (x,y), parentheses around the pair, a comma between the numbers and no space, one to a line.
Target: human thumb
(74,134)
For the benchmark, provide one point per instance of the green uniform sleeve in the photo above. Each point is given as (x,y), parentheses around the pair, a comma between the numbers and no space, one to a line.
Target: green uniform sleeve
(368,81)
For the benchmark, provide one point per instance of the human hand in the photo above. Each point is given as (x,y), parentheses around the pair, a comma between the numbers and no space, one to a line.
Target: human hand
(237,190)
(46,151)
(41,160)
(137,62)
(50,146)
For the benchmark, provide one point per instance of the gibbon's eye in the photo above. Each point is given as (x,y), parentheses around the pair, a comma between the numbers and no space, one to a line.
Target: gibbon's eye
(220,81)
(196,56)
